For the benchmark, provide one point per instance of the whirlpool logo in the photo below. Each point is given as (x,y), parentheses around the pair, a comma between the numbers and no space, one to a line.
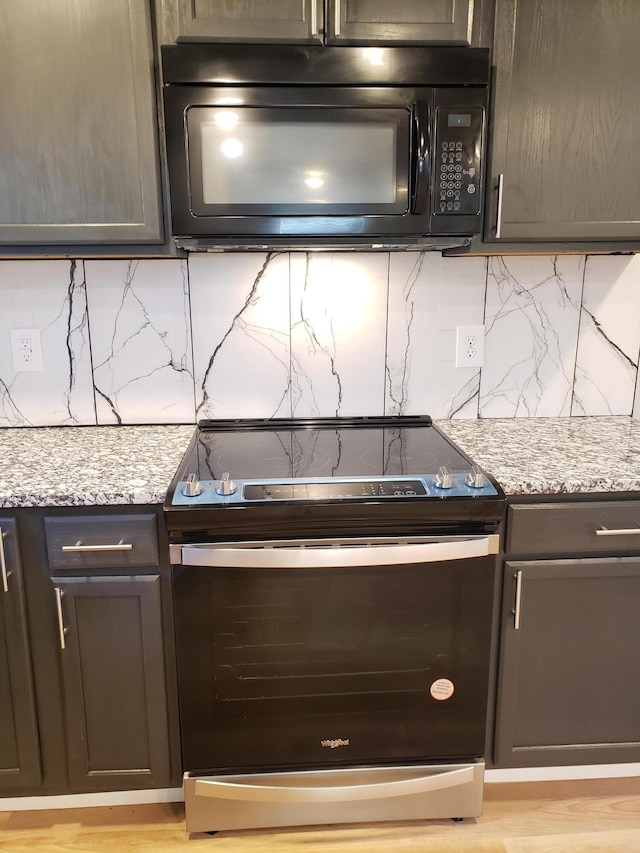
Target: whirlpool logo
(335,742)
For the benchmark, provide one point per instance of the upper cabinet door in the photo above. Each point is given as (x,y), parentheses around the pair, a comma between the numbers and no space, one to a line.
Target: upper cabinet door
(78,146)
(566,123)
(279,21)
(303,21)
(407,21)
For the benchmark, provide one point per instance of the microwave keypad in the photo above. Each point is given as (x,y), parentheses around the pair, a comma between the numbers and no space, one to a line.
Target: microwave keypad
(459,137)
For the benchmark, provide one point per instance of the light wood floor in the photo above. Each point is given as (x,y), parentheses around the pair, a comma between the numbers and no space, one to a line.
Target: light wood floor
(536,817)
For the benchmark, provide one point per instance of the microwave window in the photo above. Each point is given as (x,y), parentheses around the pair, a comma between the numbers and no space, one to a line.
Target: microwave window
(246,160)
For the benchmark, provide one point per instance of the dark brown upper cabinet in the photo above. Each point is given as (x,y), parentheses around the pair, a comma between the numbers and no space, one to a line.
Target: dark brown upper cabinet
(79,158)
(314,22)
(566,122)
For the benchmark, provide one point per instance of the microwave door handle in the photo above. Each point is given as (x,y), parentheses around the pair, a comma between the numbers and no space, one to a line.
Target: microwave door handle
(421,118)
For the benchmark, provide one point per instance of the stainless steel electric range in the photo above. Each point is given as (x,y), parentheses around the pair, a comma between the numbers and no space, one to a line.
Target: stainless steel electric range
(334,585)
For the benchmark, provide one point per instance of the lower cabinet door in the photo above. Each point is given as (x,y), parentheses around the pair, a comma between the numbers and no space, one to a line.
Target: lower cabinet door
(569,684)
(111,648)
(19,740)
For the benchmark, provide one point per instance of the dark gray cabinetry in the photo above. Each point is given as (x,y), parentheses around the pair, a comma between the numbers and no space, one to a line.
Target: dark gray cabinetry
(305,21)
(78,148)
(566,122)
(569,671)
(106,599)
(110,638)
(19,739)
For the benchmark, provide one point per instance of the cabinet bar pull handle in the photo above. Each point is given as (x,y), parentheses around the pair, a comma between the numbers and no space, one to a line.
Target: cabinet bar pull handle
(631,531)
(3,563)
(518,605)
(79,547)
(61,629)
(314,17)
(337,13)
(499,216)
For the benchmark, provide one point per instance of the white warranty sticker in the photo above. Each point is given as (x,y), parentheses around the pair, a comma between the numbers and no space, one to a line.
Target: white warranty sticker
(441,689)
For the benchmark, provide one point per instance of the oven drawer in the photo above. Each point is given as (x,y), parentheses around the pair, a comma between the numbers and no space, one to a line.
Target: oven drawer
(94,542)
(596,527)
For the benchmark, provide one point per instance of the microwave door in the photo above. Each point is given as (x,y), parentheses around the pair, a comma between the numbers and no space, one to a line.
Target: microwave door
(298,162)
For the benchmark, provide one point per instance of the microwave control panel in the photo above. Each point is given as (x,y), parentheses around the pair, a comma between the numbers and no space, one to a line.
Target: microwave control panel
(457,168)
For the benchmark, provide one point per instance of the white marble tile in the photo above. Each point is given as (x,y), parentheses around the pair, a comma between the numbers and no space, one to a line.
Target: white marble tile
(241,330)
(141,341)
(338,319)
(50,296)
(532,318)
(609,340)
(429,296)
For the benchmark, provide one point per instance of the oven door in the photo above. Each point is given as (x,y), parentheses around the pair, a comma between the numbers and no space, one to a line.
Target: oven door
(333,653)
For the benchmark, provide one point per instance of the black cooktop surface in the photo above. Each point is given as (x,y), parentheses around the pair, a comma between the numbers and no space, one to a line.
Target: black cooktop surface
(322,459)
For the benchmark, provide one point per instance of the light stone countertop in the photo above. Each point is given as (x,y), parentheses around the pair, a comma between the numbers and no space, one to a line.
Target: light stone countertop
(531,456)
(86,466)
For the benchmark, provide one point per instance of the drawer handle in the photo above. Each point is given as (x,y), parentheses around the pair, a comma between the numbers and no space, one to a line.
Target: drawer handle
(631,531)
(80,548)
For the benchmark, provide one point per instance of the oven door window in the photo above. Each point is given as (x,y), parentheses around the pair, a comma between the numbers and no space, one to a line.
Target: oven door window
(280,667)
(294,161)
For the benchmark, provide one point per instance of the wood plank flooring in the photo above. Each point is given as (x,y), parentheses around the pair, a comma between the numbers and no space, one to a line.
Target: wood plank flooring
(587,816)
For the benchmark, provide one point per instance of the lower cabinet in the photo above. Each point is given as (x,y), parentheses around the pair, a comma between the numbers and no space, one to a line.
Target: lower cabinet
(19,737)
(111,649)
(569,671)
(88,696)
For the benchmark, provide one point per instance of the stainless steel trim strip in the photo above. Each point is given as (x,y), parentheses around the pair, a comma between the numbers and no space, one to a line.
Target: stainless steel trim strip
(631,531)
(3,563)
(328,556)
(61,629)
(79,548)
(518,604)
(341,793)
(499,214)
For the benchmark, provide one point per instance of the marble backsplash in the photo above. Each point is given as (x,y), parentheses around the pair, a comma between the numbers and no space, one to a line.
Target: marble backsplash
(304,334)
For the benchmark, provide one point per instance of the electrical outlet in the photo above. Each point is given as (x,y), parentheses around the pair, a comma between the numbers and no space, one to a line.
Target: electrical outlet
(469,346)
(26,350)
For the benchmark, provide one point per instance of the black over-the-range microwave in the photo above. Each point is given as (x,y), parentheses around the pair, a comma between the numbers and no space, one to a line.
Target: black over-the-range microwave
(273,146)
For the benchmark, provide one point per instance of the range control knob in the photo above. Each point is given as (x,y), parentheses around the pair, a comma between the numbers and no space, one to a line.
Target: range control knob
(225,486)
(192,487)
(443,478)
(475,478)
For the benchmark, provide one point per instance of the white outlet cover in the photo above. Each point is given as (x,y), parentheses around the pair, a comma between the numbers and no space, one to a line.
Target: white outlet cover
(469,346)
(27,358)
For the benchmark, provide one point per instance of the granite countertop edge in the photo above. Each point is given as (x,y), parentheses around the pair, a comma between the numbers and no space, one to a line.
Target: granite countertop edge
(74,466)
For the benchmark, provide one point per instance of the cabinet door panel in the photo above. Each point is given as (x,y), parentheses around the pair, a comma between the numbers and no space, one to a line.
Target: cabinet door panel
(566,120)
(114,691)
(409,21)
(569,685)
(281,21)
(78,149)
(19,740)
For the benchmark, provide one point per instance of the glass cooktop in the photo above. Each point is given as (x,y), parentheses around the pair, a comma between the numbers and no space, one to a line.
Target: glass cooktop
(313,459)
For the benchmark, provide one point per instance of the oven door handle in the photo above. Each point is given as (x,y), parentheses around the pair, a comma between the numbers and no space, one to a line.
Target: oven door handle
(296,556)
(222,789)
